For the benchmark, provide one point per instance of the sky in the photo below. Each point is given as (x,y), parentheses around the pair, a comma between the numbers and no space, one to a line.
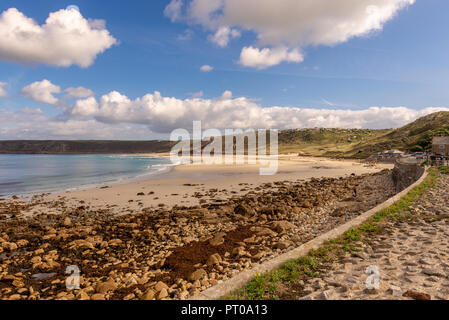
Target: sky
(141,69)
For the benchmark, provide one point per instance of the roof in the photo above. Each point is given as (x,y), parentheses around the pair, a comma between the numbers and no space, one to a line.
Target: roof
(394,151)
(440,140)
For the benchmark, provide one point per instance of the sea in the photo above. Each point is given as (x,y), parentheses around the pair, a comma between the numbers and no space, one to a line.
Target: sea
(32,174)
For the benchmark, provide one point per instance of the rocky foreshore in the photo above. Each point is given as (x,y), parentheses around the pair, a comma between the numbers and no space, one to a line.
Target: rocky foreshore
(170,253)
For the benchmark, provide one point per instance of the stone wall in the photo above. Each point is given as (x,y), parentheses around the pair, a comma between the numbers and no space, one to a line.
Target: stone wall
(405,175)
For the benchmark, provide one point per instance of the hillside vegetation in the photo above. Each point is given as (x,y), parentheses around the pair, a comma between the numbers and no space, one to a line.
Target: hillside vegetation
(361,143)
(83,147)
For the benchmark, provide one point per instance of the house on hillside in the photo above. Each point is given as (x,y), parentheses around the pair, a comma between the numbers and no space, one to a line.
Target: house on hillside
(440,146)
(392,154)
(389,155)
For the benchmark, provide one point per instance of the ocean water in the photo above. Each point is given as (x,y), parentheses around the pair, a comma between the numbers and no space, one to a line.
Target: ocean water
(25,174)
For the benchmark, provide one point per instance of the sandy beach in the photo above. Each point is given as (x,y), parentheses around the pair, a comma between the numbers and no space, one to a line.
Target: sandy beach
(129,244)
(193,184)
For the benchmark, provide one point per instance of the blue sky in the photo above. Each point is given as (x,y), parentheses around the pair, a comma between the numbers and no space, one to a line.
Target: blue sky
(403,65)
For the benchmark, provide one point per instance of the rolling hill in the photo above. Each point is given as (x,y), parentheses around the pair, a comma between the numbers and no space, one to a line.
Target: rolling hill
(338,143)
(361,143)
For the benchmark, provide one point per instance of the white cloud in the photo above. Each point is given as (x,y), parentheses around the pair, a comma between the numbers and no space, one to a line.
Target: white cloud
(85,108)
(262,59)
(164,114)
(2,89)
(206,68)
(173,10)
(65,39)
(28,124)
(31,111)
(227,95)
(292,23)
(79,92)
(223,35)
(115,116)
(42,91)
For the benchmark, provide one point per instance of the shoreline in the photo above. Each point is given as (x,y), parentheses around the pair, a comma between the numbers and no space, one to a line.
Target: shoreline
(126,179)
(189,185)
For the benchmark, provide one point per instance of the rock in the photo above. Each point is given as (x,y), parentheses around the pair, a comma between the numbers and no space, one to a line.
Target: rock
(67,222)
(18,283)
(198,275)
(263,231)
(361,255)
(239,251)
(339,212)
(282,226)
(371,291)
(115,242)
(214,260)
(218,240)
(415,295)
(308,290)
(183,295)
(160,263)
(82,295)
(129,297)
(433,272)
(162,294)
(243,210)
(106,287)
(97,296)
(36,260)
(327,295)
(284,244)
(10,246)
(22,243)
(149,295)
(306,204)
(395,291)
(425,261)
(159,286)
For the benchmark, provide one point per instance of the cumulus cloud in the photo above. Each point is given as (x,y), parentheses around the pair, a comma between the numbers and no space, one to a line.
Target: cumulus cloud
(261,59)
(292,23)
(29,124)
(223,35)
(115,116)
(79,92)
(164,114)
(226,95)
(173,10)
(66,38)
(206,68)
(42,91)
(2,89)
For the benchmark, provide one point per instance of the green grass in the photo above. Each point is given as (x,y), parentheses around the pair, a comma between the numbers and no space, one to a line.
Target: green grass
(265,286)
(444,169)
